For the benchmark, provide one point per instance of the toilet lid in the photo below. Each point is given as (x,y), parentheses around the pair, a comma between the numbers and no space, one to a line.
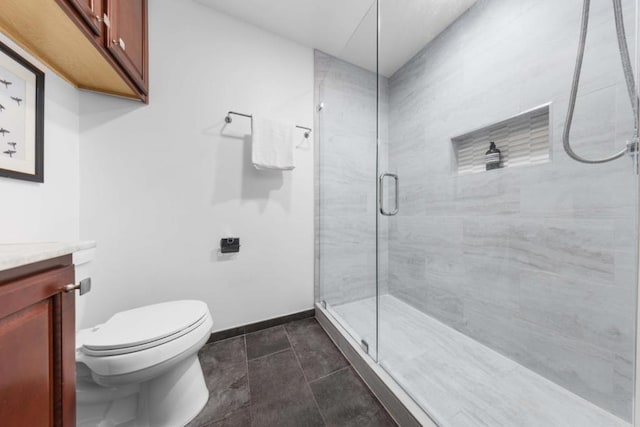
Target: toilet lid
(144,325)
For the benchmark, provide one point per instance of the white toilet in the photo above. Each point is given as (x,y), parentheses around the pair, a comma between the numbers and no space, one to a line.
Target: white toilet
(140,368)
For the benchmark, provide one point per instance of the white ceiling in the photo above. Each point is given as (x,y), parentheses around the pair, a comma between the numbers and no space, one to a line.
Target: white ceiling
(347,29)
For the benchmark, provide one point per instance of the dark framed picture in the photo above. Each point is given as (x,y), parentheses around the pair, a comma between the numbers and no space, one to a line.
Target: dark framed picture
(21,117)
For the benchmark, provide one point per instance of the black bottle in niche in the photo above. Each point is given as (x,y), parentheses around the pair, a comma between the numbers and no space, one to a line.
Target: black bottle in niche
(493,157)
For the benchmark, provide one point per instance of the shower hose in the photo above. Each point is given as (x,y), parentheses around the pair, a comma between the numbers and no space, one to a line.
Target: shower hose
(628,76)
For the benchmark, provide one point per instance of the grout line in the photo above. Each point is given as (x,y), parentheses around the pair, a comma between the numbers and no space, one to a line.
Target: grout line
(296,356)
(226,339)
(306,381)
(270,354)
(246,364)
(331,373)
(263,329)
(334,341)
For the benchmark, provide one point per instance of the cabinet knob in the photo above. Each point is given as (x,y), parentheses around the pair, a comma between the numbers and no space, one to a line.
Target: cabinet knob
(98,19)
(120,42)
(84,286)
(71,287)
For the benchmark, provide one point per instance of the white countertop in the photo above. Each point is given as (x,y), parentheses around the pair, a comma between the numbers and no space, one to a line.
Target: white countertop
(18,254)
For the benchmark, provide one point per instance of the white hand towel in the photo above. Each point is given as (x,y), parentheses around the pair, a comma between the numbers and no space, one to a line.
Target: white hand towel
(272,144)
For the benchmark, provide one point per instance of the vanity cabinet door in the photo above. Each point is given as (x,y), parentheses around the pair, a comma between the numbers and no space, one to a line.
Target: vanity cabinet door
(127,38)
(91,12)
(37,349)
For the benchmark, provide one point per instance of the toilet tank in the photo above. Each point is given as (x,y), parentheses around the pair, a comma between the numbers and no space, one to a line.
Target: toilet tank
(83,261)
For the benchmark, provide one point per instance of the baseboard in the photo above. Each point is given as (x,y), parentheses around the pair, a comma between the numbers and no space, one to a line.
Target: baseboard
(258,326)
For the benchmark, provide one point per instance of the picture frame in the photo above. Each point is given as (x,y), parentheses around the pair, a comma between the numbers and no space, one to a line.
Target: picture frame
(21,117)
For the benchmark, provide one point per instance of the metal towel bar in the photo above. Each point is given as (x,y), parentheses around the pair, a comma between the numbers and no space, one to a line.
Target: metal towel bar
(229,120)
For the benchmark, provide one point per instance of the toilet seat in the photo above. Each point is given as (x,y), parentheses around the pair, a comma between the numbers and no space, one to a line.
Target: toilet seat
(143,328)
(132,349)
(129,357)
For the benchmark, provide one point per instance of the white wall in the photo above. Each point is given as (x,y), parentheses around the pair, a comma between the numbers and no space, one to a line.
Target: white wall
(161,184)
(47,212)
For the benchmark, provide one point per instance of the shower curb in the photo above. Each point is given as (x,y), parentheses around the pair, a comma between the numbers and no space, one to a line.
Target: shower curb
(404,411)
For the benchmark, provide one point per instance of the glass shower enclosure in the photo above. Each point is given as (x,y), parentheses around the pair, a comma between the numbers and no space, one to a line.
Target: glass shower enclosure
(497,287)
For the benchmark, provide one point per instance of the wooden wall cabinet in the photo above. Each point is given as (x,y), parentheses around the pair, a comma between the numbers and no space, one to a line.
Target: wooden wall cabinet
(127,38)
(99,45)
(91,12)
(37,345)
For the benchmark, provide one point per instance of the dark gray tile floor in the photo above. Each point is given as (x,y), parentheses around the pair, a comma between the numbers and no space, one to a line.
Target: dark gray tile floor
(289,375)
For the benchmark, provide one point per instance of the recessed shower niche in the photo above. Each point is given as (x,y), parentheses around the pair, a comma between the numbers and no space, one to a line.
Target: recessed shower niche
(522,140)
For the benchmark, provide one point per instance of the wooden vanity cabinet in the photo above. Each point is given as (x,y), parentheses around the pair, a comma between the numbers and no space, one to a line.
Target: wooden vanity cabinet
(37,345)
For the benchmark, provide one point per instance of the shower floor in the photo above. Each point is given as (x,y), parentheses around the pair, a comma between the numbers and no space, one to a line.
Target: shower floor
(459,381)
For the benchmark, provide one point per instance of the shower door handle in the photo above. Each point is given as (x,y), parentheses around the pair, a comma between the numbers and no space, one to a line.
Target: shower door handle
(381,193)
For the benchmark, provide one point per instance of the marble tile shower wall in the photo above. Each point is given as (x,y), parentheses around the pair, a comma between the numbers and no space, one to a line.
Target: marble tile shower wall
(347,178)
(537,262)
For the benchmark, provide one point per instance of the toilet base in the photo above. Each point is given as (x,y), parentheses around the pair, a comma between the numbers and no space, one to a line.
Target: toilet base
(175,398)
(170,400)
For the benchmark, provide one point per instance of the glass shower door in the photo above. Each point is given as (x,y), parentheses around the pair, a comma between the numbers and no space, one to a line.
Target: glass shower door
(346,95)
(507,290)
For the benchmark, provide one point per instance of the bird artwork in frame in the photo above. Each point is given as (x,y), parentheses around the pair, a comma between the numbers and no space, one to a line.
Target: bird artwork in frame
(21,117)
